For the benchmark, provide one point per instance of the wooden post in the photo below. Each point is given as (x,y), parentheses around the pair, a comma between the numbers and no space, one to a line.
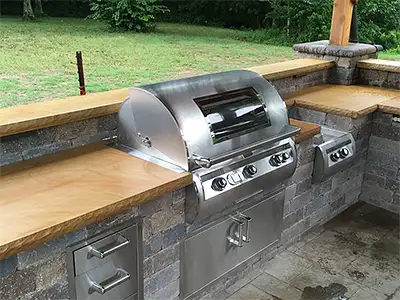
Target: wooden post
(341,22)
(81,76)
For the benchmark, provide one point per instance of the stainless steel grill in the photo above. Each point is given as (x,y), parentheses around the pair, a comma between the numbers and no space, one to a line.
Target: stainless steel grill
(229,129)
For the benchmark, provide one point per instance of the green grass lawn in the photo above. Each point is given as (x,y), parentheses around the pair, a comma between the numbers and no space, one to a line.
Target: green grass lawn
(37,59)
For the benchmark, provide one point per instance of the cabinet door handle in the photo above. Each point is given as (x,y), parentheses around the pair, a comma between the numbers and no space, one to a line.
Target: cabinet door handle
(121,242)
(238,240)
(120,277)
(247,227)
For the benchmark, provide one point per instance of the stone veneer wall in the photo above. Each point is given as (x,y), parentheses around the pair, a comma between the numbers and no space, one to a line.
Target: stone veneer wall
(381,186)
(379,78)
(299,82)
(41,273)
(35,143)
(310,204)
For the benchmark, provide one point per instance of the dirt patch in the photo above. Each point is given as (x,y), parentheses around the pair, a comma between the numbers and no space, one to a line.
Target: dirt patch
(332,292)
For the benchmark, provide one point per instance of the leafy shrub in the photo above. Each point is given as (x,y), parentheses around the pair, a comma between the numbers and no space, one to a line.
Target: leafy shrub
(136,15)
(302,20)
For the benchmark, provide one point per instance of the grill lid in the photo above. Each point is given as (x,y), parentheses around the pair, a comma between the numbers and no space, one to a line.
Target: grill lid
(211,116)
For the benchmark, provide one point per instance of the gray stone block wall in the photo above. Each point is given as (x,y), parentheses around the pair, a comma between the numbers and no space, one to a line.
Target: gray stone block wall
(310,204)
(32,144)
(379,78)
(381,186)
(41,273)
(299,82)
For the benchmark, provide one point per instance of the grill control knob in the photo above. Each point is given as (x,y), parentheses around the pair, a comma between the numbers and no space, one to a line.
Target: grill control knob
(335,156)
(275,160)
(285,156)
(343,152)
(218,184)
(249,171)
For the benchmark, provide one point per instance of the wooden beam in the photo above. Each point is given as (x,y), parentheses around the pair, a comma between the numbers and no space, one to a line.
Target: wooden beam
(341,22)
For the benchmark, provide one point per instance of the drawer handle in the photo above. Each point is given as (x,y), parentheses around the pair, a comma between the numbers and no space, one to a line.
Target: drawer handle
(239,240)
(247,227)
(120,277)
(102,253)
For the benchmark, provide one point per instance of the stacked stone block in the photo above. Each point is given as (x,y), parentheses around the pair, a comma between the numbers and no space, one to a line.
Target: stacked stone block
(36,143)
(298,82)
(41,273)
(381,185)
(346,58)
(379,78)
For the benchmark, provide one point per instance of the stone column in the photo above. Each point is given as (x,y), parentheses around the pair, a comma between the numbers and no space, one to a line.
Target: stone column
(346,58)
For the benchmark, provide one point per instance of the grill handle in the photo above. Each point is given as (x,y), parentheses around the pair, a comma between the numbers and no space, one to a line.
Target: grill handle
(205,162)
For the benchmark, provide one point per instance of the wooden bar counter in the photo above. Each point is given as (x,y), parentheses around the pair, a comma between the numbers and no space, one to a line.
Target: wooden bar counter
(73,189)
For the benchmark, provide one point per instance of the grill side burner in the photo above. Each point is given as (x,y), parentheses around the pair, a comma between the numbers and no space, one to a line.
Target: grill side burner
(334,153)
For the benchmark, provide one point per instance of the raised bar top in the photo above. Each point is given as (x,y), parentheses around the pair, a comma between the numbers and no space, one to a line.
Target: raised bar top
(52,196)
(351,101)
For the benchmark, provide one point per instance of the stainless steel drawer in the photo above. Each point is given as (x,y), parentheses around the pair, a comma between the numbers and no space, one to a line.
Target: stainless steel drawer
(108,266)
(118,247)
(212,252)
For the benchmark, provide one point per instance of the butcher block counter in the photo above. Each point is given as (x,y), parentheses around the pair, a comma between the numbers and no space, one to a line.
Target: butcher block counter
(351,101)
(42,200)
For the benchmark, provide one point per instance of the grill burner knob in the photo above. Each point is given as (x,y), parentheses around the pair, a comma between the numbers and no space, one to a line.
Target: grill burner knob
(275,160)
(249,171)
(285,156)
(218,184)
(335,156)
(343,152)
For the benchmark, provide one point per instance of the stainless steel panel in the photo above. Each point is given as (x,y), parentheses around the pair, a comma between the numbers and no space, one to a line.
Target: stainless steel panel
(133,297)
(208,254)
(108,265)
(332,141)
(207,201)
(143,113)
(85,261)
(107,273)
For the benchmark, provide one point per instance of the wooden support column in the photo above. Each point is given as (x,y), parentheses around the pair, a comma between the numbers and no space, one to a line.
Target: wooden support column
(341,22)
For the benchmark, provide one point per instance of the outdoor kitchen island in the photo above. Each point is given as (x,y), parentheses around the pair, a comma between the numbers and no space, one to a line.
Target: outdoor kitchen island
(41,272)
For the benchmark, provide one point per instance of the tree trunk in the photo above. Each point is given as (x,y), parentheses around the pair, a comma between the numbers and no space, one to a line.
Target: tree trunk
(38,9)
(27,10)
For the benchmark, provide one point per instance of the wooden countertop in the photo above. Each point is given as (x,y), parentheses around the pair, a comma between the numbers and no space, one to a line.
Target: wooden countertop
(350,101)
(380,65)
(292,68)
(33,116)
(308,130)
(391,106)
(71,189)
(28,117)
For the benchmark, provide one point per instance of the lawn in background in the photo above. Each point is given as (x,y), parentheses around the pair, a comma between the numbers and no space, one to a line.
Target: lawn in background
(37,59)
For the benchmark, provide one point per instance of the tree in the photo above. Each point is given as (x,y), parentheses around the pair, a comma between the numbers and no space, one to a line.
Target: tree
(38,9)
(27,13)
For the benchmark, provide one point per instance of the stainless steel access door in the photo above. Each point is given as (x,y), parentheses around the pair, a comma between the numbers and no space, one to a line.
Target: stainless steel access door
(208,254)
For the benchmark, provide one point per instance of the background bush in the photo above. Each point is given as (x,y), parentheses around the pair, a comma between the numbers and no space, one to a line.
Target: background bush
(136,15)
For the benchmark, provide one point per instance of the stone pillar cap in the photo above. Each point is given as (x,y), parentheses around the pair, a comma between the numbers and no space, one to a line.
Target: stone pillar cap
(324,48)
